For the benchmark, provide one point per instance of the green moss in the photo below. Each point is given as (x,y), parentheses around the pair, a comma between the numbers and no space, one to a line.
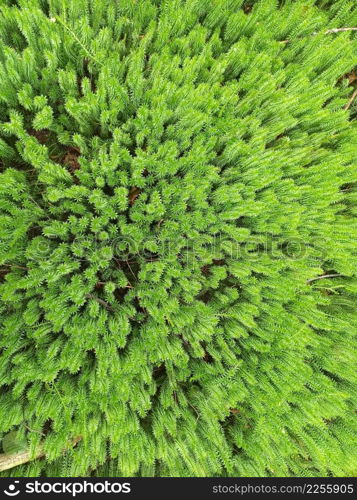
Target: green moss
(176,179)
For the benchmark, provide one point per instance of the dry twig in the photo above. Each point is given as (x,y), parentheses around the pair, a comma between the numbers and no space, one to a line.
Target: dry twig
(100,301)
(8,461)
(330,31)
(349,104)
(325,276)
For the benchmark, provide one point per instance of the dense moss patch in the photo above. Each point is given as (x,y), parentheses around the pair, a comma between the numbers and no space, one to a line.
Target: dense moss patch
(177,257)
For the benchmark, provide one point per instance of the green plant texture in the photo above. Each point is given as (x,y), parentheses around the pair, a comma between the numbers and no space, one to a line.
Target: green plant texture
(178,237)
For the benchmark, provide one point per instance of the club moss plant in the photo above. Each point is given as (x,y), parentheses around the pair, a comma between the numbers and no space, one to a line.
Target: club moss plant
(177,237)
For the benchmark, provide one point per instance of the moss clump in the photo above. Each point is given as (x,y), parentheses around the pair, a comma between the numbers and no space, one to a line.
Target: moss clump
(176,183)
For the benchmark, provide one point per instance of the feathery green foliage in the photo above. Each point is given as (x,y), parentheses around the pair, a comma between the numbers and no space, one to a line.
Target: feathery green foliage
(174,176)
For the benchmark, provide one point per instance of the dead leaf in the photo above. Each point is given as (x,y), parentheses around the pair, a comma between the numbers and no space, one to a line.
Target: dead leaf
(352,77)
(70,158)
(133,194)
(41,135)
